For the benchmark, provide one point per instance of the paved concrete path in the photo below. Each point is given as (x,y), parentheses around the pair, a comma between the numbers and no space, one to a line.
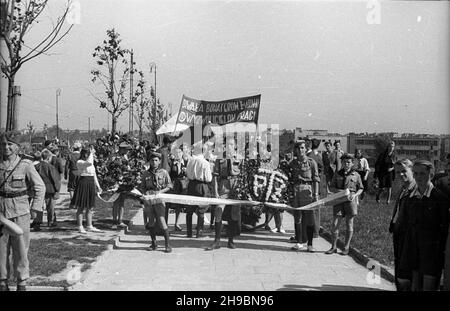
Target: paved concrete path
(262,261)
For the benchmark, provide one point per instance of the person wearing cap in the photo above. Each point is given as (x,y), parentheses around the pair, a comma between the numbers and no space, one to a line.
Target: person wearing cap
(345,178)
(18,180)
(305,179)
(225,178)
(426,217)
(198,171)
(71,170)
(156,180)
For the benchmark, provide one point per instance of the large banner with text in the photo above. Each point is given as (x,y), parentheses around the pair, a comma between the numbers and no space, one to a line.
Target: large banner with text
(200,112)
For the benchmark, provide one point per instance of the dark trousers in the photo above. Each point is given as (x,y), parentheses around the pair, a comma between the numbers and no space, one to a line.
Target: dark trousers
(199,189)
(51,213)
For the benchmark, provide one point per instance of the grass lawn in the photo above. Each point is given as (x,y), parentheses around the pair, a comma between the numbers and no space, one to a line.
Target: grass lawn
(52,251)
(371,235)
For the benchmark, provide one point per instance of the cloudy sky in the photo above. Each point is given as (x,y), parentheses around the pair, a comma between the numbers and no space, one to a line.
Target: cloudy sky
(317,65)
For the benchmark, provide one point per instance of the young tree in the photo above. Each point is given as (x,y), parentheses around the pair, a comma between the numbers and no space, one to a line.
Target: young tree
(151,125)
(112,61)
(18,17)
(30,128)
(143,106)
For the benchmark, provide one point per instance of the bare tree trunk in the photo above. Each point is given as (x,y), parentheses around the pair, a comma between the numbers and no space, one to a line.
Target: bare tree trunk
(10,109)
(114,124)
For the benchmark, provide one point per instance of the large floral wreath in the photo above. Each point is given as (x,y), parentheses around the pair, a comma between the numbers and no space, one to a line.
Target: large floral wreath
(259,182)
(114,171)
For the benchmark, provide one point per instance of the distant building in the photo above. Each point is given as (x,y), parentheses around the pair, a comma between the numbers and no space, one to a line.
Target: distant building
(411,146)
(323,136)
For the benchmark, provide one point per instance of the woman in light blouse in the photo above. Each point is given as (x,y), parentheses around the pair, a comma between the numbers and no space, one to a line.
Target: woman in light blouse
(85,192)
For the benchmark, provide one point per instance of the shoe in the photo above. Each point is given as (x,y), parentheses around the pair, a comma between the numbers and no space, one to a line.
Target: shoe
(345,252)
(189,235)
(282,231)
(168,249)
(298,247)
(331,251)
(4,288)
(54,224)
(36,228)
(21,288)
(93,229)
(153,246)
(231,245)
(114,227)
(199,234)
(178,228)
(267,227)
(215,245)
(81,230)
(292,239)
(122,225)
(310,249)
(274,230)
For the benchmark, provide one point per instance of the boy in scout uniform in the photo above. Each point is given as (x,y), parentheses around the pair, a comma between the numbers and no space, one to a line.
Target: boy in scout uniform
(304,175)
(345,178)
(156,180)
(18,178)
(225,177)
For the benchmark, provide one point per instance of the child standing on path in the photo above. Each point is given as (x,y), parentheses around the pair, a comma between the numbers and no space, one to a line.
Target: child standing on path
(156,180)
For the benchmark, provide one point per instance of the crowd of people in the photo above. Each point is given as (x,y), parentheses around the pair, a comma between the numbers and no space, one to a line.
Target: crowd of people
(419,222)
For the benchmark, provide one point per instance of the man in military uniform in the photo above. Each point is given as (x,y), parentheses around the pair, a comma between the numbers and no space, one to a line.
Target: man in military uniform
(225,177)
(304,175)
(156,180)
(18,178)
(345,178)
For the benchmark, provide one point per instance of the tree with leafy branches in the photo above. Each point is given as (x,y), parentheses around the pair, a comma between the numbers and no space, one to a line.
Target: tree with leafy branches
(17,19)
(143,104)
(112,73)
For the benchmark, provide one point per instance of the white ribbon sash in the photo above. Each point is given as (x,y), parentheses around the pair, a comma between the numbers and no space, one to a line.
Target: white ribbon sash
(336,198)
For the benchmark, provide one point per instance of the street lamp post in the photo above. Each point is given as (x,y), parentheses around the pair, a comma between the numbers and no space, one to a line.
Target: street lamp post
(58,92)
(153,67)
(89,128)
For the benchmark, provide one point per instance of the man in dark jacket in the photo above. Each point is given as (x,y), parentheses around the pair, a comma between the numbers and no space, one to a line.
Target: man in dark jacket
(52,182)
(426,219)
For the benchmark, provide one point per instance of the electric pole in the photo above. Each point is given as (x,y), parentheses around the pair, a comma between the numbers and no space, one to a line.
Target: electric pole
(58,92)
(130,121)
(153,66)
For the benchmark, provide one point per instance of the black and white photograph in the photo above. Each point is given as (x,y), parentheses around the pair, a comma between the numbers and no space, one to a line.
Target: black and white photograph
(224,151)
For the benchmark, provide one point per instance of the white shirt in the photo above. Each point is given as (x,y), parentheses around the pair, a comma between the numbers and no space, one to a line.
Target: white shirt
(86,168)
(427,192)
(362,165)
(198,168)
